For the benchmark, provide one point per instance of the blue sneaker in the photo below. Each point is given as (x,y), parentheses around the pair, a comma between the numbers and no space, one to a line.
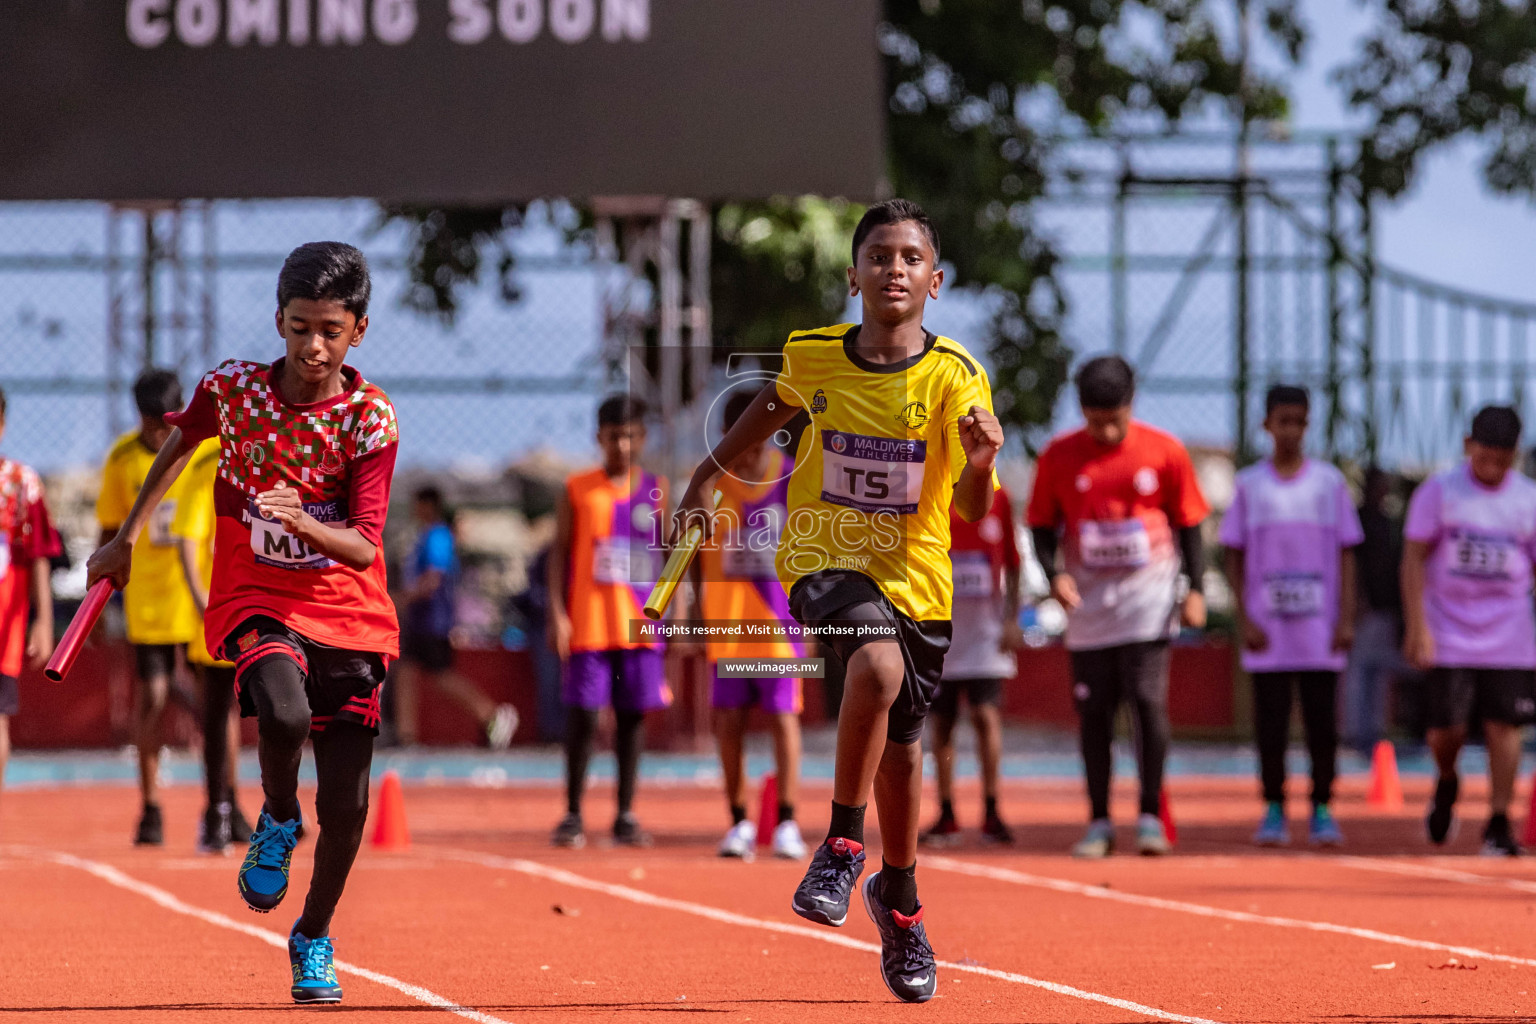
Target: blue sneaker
(264,875)
(314,975)
(1274,830)
(906,958)
(1324,830)
(828,883)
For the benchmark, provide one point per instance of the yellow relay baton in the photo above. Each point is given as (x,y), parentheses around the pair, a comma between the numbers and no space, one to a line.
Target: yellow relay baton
(677,564)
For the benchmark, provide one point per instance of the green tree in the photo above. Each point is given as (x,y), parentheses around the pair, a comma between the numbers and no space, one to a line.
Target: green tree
(1432,71)
(978,90)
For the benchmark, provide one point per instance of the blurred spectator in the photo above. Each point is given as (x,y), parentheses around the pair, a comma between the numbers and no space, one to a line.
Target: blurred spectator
(1376,659)
(426,622)
(533,606)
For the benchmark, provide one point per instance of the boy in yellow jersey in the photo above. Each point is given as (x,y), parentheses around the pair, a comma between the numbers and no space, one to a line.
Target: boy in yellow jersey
(160,614)
(901,425)
(601,567)
(193,527)
(738,583)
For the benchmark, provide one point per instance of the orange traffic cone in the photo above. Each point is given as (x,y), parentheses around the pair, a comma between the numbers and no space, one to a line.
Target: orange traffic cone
(768,810)
(1165,812)
(1386,792)
(390,831)
(1530,818)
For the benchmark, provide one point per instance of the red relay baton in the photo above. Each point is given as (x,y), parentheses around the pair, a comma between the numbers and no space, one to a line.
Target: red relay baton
(79,628)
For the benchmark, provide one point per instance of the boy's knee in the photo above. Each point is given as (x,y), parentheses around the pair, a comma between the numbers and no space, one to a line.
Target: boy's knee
(900,760)
(285,724)
(877,668)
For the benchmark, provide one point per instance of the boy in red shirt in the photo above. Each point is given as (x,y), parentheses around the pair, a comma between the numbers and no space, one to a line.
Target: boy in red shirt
(298,600)
(1125,499)
(27,541)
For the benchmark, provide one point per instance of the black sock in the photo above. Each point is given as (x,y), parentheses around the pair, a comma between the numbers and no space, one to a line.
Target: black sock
(991,809)
(847,822)
(786,812)
(898,888)
(946,810)
(628,738)
(738,814)
(1500,818)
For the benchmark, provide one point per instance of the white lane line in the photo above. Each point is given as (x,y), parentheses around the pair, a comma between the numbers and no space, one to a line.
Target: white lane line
(624,892)
(1201,910)
(1393,867)
(155,894)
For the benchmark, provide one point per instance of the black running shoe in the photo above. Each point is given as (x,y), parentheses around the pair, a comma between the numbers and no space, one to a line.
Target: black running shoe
(240,830)
(906,959)
(151,827)
(1498,840)
(569,834)
(828,882)
(627,832)
(214,836)
(995,830)
(1442,809)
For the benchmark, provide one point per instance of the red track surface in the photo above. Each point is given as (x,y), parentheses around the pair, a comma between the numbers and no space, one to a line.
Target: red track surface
(486,916)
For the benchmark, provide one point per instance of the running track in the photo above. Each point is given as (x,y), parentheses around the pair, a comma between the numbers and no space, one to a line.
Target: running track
(481,920)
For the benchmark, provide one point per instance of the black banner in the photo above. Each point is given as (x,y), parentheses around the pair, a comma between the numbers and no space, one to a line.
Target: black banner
(438,100)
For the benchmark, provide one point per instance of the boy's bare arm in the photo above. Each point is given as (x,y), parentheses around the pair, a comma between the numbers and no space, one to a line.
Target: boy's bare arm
(558,624)
(189,549)
(981,435)
(40,638)
(112,561)
(767,414)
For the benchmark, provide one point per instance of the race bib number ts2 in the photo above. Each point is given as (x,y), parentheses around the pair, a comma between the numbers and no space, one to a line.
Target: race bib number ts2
(160,521)
(1293,595)
(272,545)
(1114,544)
(872,474)
(617,560)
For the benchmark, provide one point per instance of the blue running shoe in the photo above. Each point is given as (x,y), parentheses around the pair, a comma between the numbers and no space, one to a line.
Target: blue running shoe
(314,975)
(264,875)
(906,958)
(1324,830)
(828,883)
(1274,830)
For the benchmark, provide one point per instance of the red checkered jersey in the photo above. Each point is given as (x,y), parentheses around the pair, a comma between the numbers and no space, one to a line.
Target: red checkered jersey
(340,455)
(26,534)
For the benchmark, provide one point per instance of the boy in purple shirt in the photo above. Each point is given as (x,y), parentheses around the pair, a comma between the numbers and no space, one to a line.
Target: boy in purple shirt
(1469,543)
(1289,537)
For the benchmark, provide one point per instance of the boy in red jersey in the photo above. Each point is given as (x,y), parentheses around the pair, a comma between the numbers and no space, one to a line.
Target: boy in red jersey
(27,541)
(298,600)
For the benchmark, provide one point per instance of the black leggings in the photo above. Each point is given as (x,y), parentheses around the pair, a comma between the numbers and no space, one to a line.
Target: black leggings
(343,755)
(1272,726)
(1102,680)
(580,726)
(218,693)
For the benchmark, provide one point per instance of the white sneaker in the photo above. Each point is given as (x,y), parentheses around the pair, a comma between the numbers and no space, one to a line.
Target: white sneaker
(499,730)
(740,841)
(787,841)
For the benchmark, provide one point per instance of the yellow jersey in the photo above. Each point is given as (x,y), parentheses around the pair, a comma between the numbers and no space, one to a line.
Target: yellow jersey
(876,471)
(194,521)
(157,602)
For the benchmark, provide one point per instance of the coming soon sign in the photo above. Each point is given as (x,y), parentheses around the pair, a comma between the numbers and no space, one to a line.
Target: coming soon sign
(439,100)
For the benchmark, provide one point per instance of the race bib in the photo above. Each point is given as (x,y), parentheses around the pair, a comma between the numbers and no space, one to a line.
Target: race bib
(1293,595)
(616,560)
(160,521)
(1482,557)
(973,574)
(872,474)
(1114,544)
(274,546)
(743,562)
(5,556)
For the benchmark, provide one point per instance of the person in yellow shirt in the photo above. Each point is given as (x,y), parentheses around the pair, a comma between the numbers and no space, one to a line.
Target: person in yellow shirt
(193,528)
(159,609)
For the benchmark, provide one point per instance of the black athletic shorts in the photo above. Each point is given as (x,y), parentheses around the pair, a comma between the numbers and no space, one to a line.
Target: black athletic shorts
(10,695)
(978,691)
(1458,695)
(433,653)
(155,660)
(342,685)
(842,598)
